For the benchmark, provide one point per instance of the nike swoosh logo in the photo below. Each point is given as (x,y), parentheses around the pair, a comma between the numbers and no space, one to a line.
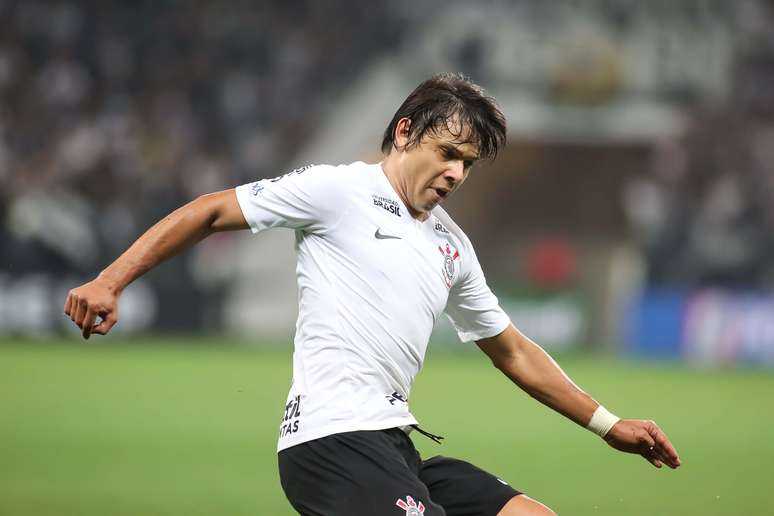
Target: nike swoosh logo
(382,236)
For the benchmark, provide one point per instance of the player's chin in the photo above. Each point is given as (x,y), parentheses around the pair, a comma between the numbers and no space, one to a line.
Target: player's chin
(433,199)
(428,207)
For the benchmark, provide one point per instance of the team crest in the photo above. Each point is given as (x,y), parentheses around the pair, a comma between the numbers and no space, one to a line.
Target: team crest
(449,272)
(411,507)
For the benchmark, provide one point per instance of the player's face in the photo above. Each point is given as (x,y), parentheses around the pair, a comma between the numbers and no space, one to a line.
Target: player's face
(434,169)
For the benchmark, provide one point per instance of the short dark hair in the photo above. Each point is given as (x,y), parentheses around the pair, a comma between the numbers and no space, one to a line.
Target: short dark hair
(441,101)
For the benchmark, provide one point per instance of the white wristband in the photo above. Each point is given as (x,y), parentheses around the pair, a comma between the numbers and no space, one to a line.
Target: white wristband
(602,421)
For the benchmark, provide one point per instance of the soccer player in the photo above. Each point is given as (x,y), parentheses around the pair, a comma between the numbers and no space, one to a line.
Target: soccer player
(378,262)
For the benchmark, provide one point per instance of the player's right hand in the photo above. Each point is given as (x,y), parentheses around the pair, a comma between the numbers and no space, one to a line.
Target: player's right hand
(89,301)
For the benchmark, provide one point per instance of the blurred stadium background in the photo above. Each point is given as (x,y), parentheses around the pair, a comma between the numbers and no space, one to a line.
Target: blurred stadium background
(628,227)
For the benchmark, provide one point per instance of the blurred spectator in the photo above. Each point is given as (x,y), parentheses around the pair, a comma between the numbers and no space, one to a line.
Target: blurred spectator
(704,214)
(114,113)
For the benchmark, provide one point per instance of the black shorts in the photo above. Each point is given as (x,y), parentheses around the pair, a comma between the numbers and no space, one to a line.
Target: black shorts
(377,473)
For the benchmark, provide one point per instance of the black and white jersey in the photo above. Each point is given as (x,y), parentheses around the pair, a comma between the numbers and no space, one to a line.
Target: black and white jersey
(372,281)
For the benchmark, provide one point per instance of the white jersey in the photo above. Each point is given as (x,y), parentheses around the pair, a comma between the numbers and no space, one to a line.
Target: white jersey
(372,281)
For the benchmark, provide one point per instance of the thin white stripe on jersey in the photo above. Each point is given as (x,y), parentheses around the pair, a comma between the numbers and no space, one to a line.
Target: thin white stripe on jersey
(372,281)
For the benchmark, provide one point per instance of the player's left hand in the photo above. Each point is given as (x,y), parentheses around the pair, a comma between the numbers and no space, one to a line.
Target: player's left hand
(644,438)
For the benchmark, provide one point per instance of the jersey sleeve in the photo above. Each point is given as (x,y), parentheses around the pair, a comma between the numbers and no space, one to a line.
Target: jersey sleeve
(311,198)
(472,307)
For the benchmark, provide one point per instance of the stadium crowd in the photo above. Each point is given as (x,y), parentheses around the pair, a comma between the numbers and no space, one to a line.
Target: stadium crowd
(124,110)
(114,113)
(705,214)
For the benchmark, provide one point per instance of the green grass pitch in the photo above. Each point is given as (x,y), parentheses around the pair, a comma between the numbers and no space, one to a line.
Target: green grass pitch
(147,428)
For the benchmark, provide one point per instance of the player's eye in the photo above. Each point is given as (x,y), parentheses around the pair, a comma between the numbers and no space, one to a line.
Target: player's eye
(467,163)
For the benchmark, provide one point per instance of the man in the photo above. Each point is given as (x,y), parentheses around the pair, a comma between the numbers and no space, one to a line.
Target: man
(378,262)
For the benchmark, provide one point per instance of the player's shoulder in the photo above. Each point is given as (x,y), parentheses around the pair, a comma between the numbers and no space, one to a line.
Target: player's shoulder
(317,179)
(342,169)
(445,226)
(342,175)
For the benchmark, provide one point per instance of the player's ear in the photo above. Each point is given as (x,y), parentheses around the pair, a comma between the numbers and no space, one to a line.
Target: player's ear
(402,133)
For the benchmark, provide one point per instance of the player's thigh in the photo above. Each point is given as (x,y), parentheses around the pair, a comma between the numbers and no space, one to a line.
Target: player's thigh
(352,474)
(523,505)
(463,489)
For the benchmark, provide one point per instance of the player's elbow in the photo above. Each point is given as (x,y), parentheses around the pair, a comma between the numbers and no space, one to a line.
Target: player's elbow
(506,363)
(220,210)
(511,365)
(201,212)
(505,350)
(519,366)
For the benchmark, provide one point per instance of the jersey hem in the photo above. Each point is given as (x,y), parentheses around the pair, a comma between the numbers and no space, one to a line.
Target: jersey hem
(243,201)
(349,426)
(483,334)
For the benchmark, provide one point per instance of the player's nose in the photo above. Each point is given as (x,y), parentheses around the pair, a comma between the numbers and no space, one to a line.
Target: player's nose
(455,172)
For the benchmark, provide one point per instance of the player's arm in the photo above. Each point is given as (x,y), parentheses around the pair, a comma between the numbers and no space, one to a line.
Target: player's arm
(532,369)
(178,231)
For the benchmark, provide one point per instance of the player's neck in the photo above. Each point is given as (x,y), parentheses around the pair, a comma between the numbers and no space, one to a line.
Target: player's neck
(392,170)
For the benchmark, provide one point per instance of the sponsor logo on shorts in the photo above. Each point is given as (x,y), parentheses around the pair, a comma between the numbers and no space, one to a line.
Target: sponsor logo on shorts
(411,507)
(387,204)
(449,270)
